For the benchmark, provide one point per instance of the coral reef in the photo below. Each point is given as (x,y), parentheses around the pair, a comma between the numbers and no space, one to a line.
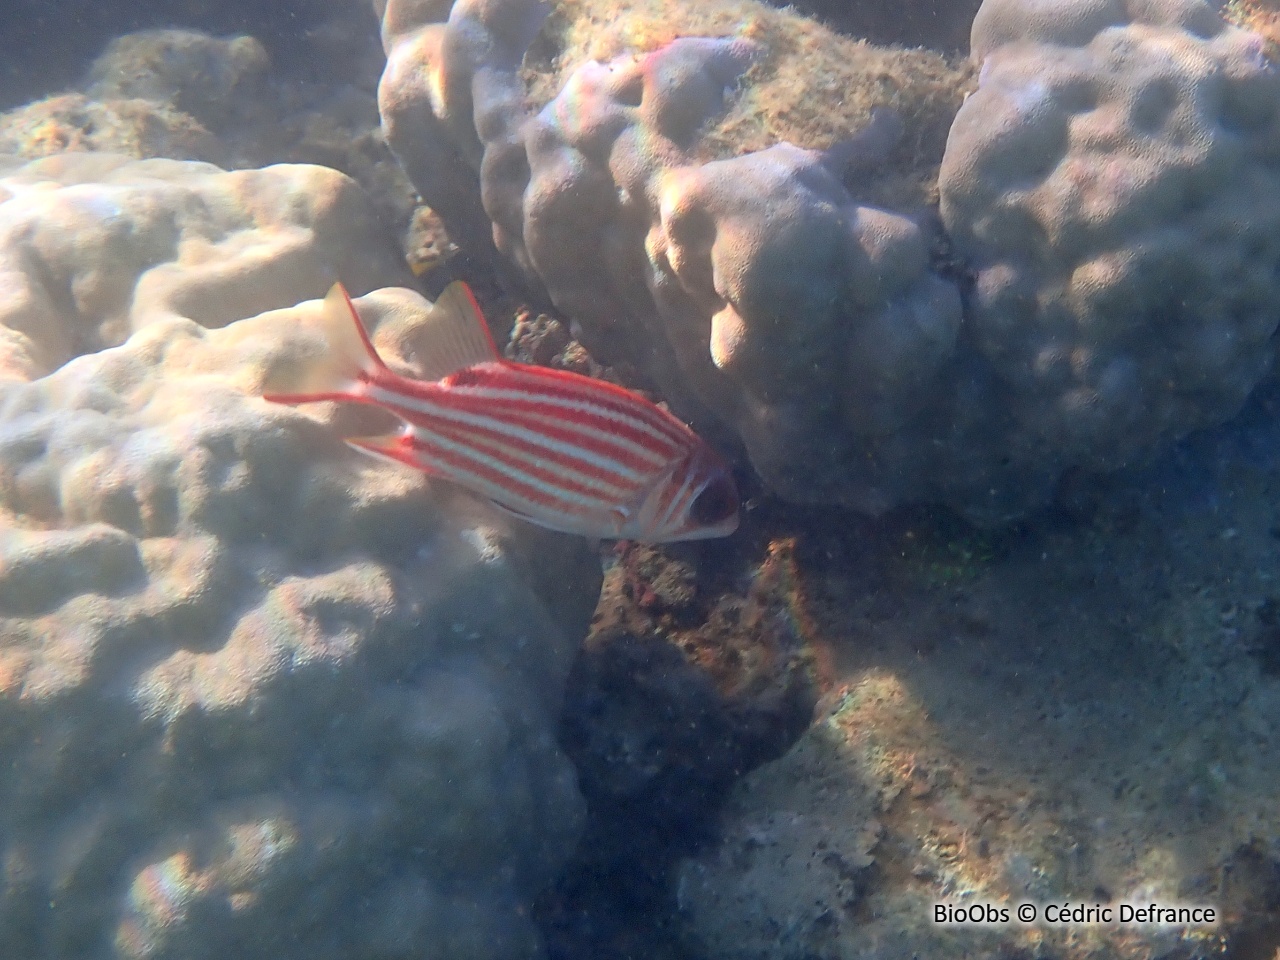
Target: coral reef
(180,94)
(939,24)
(259,696)
(262,698)
(644,179)
(213,79)
(134,128)
(46,49)
(807,85)
(177,94)
(94,247)
(644,200)
(1114,184)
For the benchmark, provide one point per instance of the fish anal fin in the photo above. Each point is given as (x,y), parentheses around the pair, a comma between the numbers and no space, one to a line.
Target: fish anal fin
(458,335)
(621,516)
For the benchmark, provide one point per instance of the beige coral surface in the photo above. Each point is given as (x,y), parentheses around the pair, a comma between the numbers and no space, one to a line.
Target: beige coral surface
(1112,184)
(94,247)
(258,694)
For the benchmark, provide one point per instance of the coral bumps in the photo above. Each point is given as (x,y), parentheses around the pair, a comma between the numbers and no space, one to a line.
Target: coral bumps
(1107,193)
(94,247)
(1114,182)
(259,696)
(744,284)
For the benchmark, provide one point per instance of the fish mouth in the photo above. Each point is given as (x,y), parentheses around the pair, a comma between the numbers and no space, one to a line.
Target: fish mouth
(716,502)
(714,510)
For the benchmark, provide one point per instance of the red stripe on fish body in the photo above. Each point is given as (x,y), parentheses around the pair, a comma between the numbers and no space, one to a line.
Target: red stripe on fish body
(577,409)
(576,458)
(562,450)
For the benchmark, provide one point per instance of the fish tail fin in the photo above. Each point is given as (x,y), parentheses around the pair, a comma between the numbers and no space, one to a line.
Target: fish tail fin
(339,373)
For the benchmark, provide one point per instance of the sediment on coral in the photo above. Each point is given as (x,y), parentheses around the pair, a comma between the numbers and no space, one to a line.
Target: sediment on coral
(938,24)
(1083,710)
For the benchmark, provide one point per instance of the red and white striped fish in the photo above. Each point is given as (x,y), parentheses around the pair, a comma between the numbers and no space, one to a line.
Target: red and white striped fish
(554,448)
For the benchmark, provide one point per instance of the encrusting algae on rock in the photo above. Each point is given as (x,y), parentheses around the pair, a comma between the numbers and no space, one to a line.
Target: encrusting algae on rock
(807,85)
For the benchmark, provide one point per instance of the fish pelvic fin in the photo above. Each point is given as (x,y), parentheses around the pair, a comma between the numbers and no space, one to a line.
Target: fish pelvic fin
(460,338)
(349,360)
(394,447)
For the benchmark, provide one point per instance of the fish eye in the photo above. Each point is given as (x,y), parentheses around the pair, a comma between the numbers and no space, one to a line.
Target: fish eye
(715,503)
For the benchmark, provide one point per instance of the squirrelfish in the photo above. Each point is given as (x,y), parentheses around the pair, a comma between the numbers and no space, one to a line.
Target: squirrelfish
(555,448)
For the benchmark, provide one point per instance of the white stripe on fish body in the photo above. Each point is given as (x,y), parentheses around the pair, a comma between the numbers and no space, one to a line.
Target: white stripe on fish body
(558,456)
(588,450)
(528,386)
(573,502)
(675,505)
(589,518)
(568,470)
(592,433)
(413,407)
(588,523)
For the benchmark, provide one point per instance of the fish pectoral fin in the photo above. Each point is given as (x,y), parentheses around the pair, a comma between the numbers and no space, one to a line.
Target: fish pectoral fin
(459,336)
(392,448)
(621,516)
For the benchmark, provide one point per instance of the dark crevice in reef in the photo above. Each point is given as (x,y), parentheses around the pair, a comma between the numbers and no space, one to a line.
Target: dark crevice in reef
(656,748)
(938,24)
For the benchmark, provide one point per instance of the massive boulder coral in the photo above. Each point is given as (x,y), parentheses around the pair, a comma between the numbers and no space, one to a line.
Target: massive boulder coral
(135,128)
(93,247)
(211,78)
(1110,186)
(644,199)
(261,697)
(1114,183)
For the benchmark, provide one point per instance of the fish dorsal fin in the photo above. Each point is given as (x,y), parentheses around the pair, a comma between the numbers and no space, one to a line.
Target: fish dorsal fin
(459,337)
